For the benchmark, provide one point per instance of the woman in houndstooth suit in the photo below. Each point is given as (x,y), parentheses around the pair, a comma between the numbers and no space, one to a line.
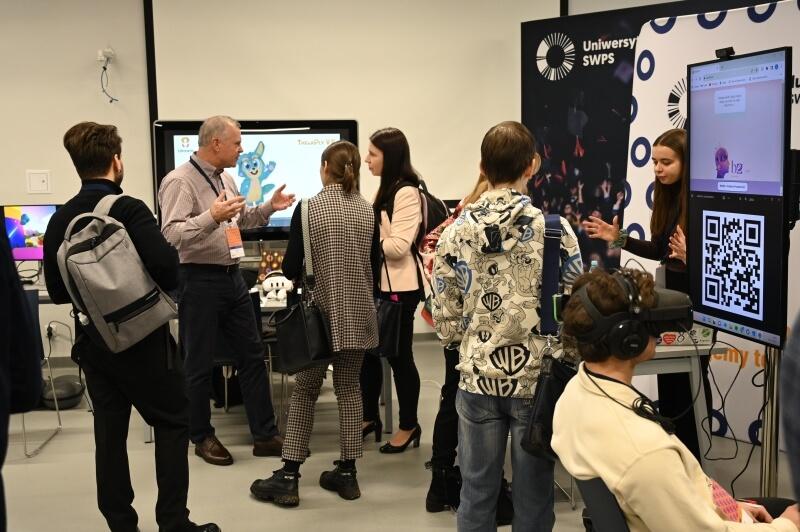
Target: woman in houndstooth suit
(345,252)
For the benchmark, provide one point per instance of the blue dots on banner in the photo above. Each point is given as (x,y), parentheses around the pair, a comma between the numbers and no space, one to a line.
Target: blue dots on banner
(648,196)
(636,229)
(723,423)
(643,74)
(628,194)
(665,27)
(753,430)
(711,24)
(761,17)
(638,161)
(635,105)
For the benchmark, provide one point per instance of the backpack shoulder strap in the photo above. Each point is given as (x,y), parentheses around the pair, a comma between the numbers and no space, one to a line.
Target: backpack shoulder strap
(396,188)
(550,272)
(103,206)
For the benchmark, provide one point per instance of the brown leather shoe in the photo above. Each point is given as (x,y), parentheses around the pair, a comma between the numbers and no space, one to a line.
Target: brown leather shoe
(270,447)
(213,452)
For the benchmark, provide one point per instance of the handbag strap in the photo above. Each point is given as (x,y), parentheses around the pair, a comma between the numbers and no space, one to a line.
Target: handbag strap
(386,268)
(550,273)
(309,263)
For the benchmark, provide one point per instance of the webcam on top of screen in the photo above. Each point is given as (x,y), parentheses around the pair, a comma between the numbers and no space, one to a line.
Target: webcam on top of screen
(725,53)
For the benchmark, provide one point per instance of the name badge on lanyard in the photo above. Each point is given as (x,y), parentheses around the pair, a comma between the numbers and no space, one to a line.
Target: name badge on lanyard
(234,238)
(232,234)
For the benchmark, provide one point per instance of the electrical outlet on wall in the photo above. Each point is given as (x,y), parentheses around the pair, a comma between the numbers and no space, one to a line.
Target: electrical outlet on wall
(38,181)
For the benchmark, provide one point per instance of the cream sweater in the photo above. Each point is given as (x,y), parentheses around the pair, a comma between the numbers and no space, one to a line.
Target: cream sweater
(656,480)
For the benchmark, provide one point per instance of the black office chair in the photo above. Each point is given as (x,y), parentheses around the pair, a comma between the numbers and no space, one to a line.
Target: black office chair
(605,515)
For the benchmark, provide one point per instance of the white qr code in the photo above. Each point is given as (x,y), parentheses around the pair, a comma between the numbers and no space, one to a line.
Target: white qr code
(733,263)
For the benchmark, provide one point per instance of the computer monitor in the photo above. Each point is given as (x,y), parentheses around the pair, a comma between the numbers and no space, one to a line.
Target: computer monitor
(739,178)
(275,152)
(25,226)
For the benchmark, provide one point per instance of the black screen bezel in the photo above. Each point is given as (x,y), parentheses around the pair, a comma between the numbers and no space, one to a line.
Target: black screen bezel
(163,157)
(694,254)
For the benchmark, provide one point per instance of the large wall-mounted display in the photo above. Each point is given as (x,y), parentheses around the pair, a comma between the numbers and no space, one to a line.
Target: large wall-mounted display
(738,220)
(274,153)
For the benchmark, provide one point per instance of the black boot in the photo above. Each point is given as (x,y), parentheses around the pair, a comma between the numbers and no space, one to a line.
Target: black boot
(445,490)
(505,505)
(341,480)
(281,488)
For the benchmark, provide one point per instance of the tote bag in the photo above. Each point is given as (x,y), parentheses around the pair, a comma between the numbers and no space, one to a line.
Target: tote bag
(303,330)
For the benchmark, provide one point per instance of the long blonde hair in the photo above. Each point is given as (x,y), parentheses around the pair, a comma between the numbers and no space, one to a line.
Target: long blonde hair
(481,186)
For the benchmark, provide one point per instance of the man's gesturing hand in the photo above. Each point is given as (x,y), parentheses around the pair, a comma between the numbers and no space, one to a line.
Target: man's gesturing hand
(223,209)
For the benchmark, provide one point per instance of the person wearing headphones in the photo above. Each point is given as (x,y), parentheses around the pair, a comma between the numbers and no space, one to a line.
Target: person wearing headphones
(604,428)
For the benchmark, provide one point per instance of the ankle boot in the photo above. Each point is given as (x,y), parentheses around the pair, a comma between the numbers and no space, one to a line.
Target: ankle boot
(445,490)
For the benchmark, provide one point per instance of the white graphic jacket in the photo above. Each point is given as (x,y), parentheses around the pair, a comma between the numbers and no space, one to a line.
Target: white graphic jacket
(487,285)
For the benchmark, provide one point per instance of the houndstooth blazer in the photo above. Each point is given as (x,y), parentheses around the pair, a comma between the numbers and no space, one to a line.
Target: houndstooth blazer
(343,242)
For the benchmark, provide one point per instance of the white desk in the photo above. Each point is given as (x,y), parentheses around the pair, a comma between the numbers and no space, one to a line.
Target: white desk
(684,359)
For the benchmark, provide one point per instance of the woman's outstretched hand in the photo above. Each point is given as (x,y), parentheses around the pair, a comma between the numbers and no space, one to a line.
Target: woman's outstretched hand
(597,228)
(677,245)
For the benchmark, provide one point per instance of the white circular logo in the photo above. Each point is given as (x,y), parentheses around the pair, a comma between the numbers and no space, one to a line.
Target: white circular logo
(676,104)
(555,56)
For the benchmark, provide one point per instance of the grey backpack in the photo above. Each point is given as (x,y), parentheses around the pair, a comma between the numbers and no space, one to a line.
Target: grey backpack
(117,300)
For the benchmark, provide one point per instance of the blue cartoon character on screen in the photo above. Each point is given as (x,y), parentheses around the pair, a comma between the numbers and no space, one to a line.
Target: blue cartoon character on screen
(254,173)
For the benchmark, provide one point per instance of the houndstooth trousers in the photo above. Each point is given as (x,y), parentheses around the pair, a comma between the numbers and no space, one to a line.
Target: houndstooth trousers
(346,371)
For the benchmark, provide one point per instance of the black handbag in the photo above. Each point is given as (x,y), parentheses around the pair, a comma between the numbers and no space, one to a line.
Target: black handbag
(389,313)
(303,330)
(553,378)
(554,373)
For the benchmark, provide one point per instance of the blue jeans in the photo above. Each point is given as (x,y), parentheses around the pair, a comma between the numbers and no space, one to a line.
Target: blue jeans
(483,426)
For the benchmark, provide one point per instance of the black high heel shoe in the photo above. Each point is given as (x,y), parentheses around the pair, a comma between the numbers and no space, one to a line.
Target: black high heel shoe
(416,434)
(374,426)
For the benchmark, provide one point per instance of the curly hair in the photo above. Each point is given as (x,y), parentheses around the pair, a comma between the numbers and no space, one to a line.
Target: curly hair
(608,297)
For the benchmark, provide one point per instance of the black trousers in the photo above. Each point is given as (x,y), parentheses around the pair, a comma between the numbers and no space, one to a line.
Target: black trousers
(214,303)
(140,377)
(406,376)
(445,429)
(675,398)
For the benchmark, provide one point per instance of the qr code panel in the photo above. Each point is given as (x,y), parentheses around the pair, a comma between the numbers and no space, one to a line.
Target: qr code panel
(733,263)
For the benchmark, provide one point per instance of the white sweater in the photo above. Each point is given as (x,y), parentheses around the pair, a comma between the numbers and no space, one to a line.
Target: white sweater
(656,480)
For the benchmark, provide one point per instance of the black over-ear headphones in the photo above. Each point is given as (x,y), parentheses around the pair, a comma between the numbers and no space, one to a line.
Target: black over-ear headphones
(624,333)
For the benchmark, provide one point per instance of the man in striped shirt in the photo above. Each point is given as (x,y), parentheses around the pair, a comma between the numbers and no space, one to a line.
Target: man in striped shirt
(202,212)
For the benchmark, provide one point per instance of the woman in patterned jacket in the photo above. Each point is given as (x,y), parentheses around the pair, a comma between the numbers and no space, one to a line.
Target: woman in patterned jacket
(487,278)
(344,248)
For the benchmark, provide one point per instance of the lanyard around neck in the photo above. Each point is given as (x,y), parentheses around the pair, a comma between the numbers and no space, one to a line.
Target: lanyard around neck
(208,179)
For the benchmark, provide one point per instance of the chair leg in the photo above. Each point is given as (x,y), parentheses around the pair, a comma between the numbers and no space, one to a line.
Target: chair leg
(52,435)
(569,495)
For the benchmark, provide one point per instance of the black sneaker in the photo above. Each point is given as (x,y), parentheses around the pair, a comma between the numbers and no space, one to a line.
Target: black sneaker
(281,488)
(342,481)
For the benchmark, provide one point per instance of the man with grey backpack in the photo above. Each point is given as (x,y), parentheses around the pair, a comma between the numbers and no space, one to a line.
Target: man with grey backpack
(113,266)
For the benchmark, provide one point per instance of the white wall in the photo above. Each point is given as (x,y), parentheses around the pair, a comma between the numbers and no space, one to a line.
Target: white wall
(51,80)
(579,7)
(442,71)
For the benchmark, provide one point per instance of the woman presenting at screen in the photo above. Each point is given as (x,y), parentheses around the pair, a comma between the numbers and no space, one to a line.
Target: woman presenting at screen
(668,245)
(670,195)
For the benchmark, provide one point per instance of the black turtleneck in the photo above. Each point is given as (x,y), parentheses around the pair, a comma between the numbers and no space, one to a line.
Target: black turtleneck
(158,256)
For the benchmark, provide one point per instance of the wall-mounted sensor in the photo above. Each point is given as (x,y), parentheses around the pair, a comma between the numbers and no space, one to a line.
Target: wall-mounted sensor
(105,55)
